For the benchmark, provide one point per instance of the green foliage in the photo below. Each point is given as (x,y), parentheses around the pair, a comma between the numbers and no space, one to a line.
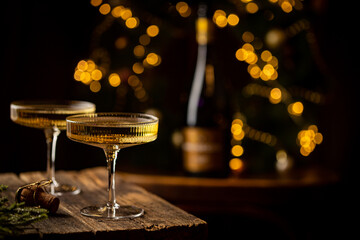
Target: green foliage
(13,216)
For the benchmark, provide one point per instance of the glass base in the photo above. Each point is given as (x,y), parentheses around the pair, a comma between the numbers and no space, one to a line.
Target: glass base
(117,212)
(63,189)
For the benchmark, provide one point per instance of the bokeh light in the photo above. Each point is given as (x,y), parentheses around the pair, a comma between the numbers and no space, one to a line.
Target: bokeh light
(308,139)
(152,31)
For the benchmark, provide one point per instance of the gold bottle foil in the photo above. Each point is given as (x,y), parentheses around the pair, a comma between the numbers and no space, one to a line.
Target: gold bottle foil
(202,150)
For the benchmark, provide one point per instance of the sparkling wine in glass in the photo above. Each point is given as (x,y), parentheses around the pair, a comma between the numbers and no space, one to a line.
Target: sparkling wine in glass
(50,116)
(112,132)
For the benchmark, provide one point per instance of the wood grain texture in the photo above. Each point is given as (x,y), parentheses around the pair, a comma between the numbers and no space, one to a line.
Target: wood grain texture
(235,195)
(160,221)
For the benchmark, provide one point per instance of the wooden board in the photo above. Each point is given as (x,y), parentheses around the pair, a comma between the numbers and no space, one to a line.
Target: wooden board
(235,195)
(161,219)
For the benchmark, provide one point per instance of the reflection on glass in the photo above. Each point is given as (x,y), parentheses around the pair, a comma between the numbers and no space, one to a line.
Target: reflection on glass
(51,117)
(112,132)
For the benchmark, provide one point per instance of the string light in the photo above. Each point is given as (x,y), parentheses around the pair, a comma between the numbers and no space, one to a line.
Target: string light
(96,3)
(269,62)
(247,37)
(275,95)
(152,31)
(296,108)
(132,22)
(144,40)
(183,9)
(95,86)
(88,72)
(251,7)
(262,67)
(237,150)
(236,165)
(138,68)
(104,8)
(114,79)
(221,20)
(233,19)
(117,11)
(308,139)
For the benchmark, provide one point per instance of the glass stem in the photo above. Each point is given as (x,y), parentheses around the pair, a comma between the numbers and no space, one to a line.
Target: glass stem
(111,156)
(51,135)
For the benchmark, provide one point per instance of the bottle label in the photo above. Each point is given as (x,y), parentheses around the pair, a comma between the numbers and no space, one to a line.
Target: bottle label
(202,150)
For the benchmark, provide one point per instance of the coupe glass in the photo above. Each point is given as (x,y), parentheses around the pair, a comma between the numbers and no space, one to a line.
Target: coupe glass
(112,132)
(50,115)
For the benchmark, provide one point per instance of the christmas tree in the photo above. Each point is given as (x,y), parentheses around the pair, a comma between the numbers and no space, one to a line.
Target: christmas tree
(143,56)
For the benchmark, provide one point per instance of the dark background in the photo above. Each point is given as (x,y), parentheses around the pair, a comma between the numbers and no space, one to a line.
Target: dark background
(42,41)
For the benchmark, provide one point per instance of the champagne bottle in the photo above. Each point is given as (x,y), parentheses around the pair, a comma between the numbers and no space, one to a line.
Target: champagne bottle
(203,136)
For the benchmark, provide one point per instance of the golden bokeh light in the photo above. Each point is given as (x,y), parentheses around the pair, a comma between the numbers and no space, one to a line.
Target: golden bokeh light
(248,47)
(153,59)
(236,129)
(308,139)
(237,150)
(114,79)
(95,3)
(266,56)
(87,71)
(296,108)
(152,31)
(126,13)
(133,81)
(268,70)
(96,75)
(90,65)
(183,9)
(82,65)
(95,86)
(252,58)
(139,51)
(104,8)
(132,22)
(77,75)
(247,37)
(217,14)
(251,7)
(140,93)
(117,11)
(138,68)
(233,19)
(274,62)
(221,21)
(275,95)
(286,6)
(254,71)
(236,164)
(144,40)
(241,54)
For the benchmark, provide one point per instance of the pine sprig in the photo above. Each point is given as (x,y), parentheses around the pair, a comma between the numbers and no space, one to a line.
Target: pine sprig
(16,215)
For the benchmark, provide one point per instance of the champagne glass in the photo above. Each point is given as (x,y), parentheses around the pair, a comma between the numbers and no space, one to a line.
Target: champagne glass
(50,115)
(112,132)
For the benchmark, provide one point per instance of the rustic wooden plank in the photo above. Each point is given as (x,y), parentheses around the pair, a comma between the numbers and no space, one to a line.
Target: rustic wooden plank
(64,222)
(229,195)
(161,219)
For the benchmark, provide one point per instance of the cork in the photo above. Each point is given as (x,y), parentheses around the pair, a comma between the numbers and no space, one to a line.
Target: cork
(36,196)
